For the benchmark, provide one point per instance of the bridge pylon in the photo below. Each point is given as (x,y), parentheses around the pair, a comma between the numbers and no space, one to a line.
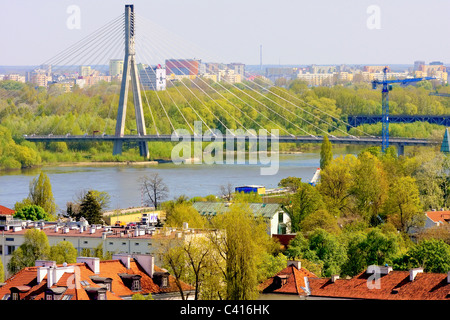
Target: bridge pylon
(130,73)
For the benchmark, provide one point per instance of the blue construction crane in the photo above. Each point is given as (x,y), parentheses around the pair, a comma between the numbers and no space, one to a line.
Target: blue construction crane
(387,86)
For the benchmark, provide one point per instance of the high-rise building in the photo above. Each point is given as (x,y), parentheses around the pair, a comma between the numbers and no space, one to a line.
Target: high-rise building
(181,67)
(115,67)
(417,64)
(238,68)
(85,71)
(153,78)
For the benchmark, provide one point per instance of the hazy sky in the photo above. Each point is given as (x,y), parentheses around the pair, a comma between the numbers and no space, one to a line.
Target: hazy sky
(290,31)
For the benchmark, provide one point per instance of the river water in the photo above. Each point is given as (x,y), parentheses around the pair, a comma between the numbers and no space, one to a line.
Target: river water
(121,182)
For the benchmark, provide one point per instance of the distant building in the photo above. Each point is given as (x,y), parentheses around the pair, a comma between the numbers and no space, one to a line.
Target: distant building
(316,79)
(417,65)
(6,214)
(14,77)
(180,67)
(251,189)
(39,77)
(85,71)
(437,218)
(115,67)
(238,68)
(277,219)
(85,237)
(153,78)
(229,76)
(438,71)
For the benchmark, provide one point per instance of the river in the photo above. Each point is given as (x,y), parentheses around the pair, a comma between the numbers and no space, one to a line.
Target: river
(121,182)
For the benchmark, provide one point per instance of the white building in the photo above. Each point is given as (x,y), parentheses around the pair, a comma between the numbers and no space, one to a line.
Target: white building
(153,78)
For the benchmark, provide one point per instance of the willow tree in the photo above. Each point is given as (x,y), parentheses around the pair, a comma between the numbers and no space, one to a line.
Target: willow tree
(240,240)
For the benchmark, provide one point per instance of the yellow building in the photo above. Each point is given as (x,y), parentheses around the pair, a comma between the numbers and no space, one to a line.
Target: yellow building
(112,218)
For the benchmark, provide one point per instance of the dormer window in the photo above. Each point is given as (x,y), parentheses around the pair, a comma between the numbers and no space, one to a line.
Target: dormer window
(105,282)
(132,281)
(161,279)
(280,280)
(16,291)
(96,293)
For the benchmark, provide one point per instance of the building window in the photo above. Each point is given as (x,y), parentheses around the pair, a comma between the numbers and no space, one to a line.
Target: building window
(165,282)
(136,286)
(280,217)
(9,249)
(48,296)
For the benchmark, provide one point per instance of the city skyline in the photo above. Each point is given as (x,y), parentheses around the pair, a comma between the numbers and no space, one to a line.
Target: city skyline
(290,32)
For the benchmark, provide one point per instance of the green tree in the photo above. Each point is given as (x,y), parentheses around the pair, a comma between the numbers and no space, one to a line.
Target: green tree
(240,240)
(305,201)
(367,248)
(270,265)
(432,255)
(139,296)
(63,251)
(32,212)
(179,213)
(292,183)
(403,206)
(90,209)
(2,272)
(35,247)
(370,186)
(326,153)
(328,249)
(321,248)
(336,182)
(41,193)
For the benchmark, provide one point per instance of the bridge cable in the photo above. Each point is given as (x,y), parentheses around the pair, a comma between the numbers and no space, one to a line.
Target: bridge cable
(285,109)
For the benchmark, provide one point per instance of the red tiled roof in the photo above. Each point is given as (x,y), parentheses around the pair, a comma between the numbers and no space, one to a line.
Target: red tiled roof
(6,211)
(284,239)
(293,281)
(108,269)
(439,216)
(393,286)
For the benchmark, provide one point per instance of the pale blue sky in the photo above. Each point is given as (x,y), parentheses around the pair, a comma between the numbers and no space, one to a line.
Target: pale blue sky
(290,31)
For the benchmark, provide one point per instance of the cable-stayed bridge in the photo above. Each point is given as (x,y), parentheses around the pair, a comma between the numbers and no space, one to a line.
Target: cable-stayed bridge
(219,105)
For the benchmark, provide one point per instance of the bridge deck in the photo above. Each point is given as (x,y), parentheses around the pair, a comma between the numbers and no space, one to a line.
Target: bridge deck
(281,139)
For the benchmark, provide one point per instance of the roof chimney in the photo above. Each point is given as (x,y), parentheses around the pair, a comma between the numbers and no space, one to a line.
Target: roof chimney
(413,273)
(334,278)
(92,262)
(125,258)
(295,263)
(147,262)
(448,277)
